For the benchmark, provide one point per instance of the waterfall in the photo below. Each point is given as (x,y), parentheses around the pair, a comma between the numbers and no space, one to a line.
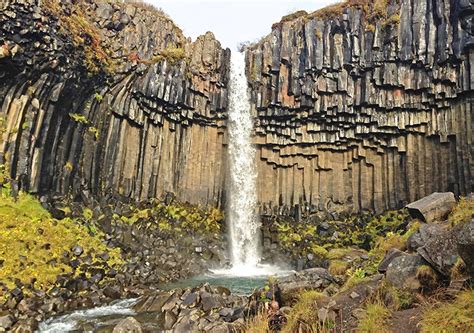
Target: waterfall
(244,225)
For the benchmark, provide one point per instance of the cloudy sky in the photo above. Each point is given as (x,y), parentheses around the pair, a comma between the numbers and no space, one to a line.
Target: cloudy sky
(232,21)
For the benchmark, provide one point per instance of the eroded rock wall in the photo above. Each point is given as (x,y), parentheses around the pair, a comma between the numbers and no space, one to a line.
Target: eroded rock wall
(356,115)
(147,120)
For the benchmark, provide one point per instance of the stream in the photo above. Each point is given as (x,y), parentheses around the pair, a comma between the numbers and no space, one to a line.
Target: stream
(104,318)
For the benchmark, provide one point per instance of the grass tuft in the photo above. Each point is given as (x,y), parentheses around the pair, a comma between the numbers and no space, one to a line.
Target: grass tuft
(375,319)
(463,212)
(456,316)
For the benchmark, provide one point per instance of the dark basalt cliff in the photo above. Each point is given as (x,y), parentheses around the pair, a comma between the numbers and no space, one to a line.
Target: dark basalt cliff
(360,106)
(110,99)
(364,106)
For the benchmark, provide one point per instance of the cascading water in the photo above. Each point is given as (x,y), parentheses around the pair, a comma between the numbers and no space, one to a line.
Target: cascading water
(242,219)
(243,222)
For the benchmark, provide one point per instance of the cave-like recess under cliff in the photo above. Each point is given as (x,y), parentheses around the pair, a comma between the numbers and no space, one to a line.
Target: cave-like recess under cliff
(111,101)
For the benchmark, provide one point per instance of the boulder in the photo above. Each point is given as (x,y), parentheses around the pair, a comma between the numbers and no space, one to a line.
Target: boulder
(433,207)
(313,278)
(423,235)
(6,322)
(403,269)
(389,256)
(440,249)
(169,320)
(465,245)
(128,325)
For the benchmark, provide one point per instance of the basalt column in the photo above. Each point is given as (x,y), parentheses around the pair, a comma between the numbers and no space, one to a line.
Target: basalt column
(364,108)
(110,100)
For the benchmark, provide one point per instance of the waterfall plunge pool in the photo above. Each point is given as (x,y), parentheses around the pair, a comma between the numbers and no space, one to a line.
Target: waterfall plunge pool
(104,318)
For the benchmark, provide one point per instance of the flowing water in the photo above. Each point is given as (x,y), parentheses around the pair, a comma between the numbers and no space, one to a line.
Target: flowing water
(243,222)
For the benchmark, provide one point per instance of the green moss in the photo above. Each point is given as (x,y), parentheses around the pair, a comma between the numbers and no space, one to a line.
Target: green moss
(32,243)
(456,316)
(176,218)
(463,212)
(75,23)
(79,118)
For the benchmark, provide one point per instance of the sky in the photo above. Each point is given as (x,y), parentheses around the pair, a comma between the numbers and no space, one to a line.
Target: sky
(232,21)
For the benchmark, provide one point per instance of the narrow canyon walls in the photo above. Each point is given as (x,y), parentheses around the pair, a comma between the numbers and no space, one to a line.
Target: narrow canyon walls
(110,100)
(365,106)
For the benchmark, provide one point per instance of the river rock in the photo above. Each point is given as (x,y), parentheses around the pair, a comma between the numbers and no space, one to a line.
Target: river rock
(169,320)
(128,325)
(6,321)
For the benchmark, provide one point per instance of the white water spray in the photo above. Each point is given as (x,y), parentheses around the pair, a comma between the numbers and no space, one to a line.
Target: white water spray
(243,221)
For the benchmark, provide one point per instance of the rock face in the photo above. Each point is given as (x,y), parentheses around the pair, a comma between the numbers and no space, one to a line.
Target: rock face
(359,114)
(110,99)
(353,111)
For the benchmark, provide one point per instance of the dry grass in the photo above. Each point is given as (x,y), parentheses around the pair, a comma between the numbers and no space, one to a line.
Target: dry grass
(455,316)
(304,314)
(83,32)
(338,267)
(257,324)
(375,318)
(375,11)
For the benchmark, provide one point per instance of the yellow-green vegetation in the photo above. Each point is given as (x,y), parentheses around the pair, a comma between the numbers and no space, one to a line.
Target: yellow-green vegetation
(458,270)
(257,324)
(463,212)
(79,118)
(356,276)
(303,316)
(75,23)
(172,55)
(338,267)
(177,218)
(299,238)
(375,318)
(454,316)
(32,243)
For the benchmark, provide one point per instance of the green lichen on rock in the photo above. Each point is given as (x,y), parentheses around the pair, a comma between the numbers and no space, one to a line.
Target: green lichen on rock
(33,245)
